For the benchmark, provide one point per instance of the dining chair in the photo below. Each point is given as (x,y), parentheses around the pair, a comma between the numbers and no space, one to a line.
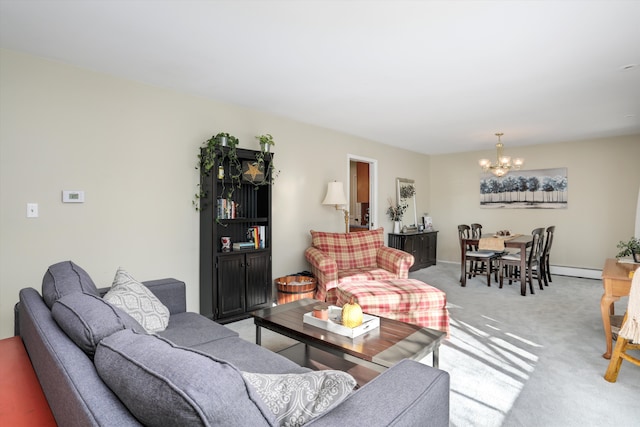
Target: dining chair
(476,230)
(510,263)
(629,334)
(474,255)
(464,232)
(476,233)
(544,262)
(481,267)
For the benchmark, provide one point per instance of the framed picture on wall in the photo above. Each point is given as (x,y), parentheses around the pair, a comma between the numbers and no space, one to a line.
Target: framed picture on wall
(532,189)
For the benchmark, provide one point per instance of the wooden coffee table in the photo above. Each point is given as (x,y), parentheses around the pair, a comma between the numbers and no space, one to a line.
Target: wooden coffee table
(375,351)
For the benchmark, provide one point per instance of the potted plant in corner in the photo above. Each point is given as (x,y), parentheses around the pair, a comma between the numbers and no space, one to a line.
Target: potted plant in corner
(395,212)
(632,247)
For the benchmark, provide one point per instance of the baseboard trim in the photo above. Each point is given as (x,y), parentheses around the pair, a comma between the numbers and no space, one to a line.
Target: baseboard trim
(585,273)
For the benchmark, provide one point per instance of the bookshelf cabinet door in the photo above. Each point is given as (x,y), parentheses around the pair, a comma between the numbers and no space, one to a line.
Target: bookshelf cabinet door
(231,285)
(258,289)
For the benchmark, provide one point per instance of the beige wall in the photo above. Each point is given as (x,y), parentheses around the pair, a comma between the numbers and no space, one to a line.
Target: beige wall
(604,178)
(132,149)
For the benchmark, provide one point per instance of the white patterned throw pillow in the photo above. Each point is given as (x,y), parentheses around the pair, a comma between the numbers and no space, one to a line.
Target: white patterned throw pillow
(138,301)
(295,399)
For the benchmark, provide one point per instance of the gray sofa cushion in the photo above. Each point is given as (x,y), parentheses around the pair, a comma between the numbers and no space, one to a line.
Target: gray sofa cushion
(295,399)
(87,319)
(248,357)
(65,278)
(165,385)
(189,329)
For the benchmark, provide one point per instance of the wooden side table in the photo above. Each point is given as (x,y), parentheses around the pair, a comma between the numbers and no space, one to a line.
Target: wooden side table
(22,402)
(617,284)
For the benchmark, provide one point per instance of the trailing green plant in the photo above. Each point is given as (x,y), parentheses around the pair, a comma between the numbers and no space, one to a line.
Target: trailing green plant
(270,171)
(628,248)
(213,153)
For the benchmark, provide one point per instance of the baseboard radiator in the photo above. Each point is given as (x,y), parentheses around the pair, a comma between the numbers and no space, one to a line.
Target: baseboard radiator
(585,273)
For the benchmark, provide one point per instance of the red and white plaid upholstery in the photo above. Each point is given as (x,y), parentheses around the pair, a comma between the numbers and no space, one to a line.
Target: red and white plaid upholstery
(407,300)
(347,257)
(350,250)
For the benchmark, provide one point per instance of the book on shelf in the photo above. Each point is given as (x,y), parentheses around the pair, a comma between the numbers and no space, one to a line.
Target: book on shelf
(262,236)
(257,234)
(226,208)
(239,246)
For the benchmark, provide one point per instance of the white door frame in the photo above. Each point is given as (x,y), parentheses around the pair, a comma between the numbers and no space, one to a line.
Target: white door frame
(373,186)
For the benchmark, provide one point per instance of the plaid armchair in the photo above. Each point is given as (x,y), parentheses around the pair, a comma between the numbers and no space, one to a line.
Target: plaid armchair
(337,258)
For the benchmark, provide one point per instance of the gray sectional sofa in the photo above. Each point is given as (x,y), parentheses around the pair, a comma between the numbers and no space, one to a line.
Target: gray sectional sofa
(189,374)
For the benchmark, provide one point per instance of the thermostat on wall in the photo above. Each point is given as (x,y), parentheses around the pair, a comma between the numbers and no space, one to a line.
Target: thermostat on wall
(72,196)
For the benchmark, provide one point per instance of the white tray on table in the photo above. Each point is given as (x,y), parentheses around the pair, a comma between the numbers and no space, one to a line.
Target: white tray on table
(334,323)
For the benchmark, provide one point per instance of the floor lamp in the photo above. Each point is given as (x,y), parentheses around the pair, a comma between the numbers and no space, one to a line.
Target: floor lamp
(335,196)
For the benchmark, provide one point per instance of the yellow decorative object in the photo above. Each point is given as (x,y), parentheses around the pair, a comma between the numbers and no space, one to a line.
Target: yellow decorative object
(351,314)
(631,274)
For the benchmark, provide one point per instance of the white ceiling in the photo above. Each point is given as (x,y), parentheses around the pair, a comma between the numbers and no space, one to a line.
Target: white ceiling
(430,76)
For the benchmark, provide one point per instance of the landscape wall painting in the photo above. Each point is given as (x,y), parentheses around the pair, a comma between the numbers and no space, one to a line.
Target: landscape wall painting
(531,189)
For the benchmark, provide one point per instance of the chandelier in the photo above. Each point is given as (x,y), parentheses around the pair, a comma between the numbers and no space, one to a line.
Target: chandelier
(503,164)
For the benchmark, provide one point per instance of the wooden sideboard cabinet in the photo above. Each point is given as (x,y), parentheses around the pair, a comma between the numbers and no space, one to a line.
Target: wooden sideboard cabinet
(423,246)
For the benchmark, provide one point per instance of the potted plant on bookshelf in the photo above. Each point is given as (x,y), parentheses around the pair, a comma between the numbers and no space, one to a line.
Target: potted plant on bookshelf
(271,173)
(224,139)
(395,212)
(632,247)
(266,141)
(220,149)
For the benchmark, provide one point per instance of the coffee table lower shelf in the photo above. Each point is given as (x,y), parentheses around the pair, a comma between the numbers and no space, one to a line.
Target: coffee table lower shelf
(316,359)
(367,355)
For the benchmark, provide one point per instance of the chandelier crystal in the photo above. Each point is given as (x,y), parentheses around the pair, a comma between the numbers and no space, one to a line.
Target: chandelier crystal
(503,163)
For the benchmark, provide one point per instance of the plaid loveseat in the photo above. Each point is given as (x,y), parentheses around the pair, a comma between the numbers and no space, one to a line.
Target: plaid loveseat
(337,258)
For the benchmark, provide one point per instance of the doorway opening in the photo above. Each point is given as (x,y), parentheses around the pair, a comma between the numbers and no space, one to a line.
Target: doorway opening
(362,188)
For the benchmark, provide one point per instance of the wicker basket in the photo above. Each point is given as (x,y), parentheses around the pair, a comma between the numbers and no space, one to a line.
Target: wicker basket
(293,288)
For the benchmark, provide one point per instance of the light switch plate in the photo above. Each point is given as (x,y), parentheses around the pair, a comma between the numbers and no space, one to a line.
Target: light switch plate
(72,196)
(32,210)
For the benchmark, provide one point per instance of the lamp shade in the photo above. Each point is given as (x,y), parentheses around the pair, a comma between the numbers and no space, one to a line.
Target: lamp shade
(335,194)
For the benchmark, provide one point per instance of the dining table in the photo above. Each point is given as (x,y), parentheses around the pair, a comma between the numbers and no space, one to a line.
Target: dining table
(515,241)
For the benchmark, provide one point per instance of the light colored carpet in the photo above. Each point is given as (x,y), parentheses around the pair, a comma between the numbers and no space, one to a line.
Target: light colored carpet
(523,361)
